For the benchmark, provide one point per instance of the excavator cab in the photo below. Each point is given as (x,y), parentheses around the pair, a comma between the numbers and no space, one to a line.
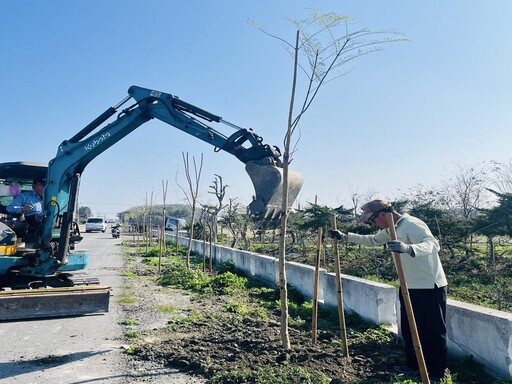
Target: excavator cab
(16,178)
(66,292)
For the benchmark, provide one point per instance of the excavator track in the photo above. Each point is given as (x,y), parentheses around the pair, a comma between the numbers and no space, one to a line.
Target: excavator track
(80,279)
(29,304)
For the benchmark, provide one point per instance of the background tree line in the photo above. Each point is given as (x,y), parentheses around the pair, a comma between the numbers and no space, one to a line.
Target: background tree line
(474,201)
(470,214)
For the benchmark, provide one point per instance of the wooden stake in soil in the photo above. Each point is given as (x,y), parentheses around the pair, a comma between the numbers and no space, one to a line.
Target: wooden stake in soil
(339,288)
(204,249)
(408,305)
(315,286)
(177,237)
(164,209)
(160,253)
(211,251)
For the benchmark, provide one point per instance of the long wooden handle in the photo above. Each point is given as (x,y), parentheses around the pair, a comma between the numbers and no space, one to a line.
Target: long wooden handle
(408,305)
(315,286)
(339,296)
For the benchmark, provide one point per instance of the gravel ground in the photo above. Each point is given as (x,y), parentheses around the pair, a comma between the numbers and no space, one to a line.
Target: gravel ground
(86,349)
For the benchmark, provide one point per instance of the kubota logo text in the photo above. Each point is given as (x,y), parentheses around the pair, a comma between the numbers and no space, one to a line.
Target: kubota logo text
(94,143)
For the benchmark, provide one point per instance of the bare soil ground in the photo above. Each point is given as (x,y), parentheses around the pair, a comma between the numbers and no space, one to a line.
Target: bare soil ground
(207,336)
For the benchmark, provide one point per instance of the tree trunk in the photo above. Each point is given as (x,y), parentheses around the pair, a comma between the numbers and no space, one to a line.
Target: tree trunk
(190,237)
(490,252)
(285,336)
(283,288)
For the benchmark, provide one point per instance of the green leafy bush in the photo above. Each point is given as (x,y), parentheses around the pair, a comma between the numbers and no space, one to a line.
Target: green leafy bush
(179,277)
(229,284)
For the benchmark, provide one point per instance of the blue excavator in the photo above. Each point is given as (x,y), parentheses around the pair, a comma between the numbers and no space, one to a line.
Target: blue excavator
(42,270)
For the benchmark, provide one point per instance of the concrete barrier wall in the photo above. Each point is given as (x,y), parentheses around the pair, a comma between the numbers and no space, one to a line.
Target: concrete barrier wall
(484,333)
(372,301)
(302,277)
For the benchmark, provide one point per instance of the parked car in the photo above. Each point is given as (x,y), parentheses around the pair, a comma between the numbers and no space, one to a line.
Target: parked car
(95,224)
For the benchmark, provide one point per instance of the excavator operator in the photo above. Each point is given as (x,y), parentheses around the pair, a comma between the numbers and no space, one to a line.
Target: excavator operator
(29,203)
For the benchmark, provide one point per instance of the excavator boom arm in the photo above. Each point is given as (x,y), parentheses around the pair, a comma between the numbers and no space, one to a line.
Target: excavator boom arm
(73,155)
(184,116)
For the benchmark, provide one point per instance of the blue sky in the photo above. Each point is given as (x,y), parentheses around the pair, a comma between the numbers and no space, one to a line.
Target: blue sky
(401,117)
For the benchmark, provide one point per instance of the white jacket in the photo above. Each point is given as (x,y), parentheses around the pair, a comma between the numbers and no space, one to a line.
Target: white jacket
(422,271)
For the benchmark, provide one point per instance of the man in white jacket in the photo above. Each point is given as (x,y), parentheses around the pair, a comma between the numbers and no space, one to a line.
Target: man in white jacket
(423,274)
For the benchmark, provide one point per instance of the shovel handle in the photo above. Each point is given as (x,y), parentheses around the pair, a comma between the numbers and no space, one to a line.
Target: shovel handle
(408,305)
(339,293)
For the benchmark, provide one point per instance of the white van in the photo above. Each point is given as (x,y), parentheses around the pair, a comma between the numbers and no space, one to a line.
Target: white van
(95,224)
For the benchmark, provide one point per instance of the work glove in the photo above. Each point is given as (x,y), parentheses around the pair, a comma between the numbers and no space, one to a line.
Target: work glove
(335,234)
(400,247)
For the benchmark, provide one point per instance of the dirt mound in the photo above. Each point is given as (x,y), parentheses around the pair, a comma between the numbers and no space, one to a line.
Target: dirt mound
(205,336)
(213,347)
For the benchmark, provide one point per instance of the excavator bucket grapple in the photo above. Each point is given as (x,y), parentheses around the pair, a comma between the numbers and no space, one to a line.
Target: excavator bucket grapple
(268,185)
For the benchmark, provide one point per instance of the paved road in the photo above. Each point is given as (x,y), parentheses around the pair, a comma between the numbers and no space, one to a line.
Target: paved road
(78,350)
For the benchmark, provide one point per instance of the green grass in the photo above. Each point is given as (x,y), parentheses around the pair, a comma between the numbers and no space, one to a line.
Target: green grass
(129,322)
(129,275)
(244,308)
(166,308)
(178,321)
(127,299)
(131,334)
(179,277)
(131,349)
(286,374)
(378,335)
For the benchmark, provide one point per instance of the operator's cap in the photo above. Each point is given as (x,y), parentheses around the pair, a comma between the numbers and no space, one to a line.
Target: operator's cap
(39,180)
(372,207)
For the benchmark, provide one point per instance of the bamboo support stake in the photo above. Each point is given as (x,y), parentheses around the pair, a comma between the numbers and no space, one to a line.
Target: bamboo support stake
(211,251)
(160,253)
(177,237)
(408,305)
(315,286)
(339,289)
(204,249)
(164,215)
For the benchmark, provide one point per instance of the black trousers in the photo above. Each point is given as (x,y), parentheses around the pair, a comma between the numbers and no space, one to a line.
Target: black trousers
(429,307)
